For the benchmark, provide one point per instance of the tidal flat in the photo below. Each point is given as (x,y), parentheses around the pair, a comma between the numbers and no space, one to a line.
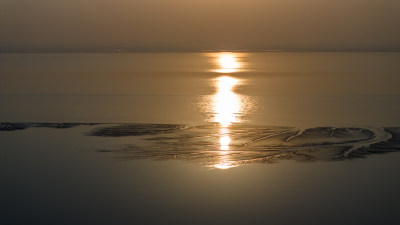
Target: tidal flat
(200,138)
(73,175)
(247,144)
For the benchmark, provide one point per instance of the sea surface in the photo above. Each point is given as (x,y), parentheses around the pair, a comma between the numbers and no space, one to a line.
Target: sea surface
(200,138)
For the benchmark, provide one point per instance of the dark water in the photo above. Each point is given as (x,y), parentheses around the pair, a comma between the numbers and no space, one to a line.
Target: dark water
(220,138)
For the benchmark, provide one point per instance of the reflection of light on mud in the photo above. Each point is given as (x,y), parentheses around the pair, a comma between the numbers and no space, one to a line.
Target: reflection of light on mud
(224,166)
(224,161)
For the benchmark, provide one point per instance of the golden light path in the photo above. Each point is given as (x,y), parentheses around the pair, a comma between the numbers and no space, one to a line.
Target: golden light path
(227,105)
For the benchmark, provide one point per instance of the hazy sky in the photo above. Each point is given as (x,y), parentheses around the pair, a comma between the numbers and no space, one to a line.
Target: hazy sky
(200,24)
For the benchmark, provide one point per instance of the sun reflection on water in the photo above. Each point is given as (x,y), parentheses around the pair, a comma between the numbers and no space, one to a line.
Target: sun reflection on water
(227,105)
(228,63)
(224,139)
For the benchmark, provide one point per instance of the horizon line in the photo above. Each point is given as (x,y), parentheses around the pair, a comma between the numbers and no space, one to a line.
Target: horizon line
(121,50)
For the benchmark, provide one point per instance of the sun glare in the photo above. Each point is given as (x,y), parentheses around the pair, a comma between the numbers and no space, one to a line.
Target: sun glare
(227,104)
(224,139)
(227,63)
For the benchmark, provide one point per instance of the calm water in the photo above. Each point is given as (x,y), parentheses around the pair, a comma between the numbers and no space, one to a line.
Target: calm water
(221,101)
(294,89)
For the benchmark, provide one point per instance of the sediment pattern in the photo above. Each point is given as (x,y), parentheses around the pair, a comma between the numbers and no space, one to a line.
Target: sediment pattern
(249,144)
(23,126)
(246,144)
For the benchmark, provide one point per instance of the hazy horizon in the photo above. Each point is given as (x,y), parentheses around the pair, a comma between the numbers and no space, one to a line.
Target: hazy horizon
(177,25)
(160,50)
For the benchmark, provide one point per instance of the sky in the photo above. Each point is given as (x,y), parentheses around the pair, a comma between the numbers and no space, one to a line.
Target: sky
(27,25)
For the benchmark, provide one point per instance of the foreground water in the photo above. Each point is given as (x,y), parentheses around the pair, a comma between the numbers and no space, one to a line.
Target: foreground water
(179,137)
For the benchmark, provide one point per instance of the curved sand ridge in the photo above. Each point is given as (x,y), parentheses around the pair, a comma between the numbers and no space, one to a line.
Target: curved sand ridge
(248,144)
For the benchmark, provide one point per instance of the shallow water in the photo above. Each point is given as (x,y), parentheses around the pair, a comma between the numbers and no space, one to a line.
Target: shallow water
(179,137)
